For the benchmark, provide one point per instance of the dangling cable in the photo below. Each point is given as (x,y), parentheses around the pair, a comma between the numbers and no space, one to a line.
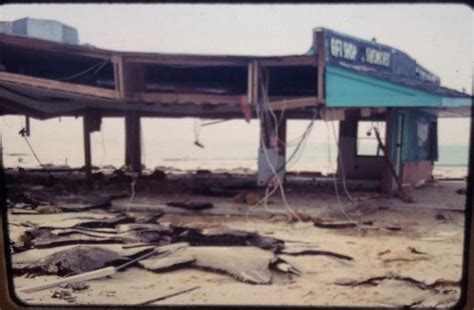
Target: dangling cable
(197,132)
(132,186)
(334,176)
(22,132)
(267,157)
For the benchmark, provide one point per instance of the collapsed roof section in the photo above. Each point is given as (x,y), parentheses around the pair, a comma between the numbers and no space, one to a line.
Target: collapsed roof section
(47,79)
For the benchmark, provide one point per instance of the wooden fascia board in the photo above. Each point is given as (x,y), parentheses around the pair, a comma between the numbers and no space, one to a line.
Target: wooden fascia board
(188,98)
(179,60)
(56,85)
(292,104)
(289,61)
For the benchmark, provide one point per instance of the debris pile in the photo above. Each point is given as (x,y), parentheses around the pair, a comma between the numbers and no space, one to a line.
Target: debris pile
(80,248)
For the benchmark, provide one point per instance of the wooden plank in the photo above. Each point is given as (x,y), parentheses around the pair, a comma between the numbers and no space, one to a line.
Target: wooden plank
(217,60)
(56,85)
(188,98)
(292,104)
(249,82)
(133,142)
(318,46)
(290,61)
(117,62)
(188,60)
(255,82)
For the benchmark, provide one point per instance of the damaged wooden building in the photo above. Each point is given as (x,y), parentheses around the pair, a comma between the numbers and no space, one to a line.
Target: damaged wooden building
(340,78)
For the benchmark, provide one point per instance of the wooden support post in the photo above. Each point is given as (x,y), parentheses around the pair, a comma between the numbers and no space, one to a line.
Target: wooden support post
(27,126)
(87,147)
(255,91)
(319,49)
(133,142)
(129,78)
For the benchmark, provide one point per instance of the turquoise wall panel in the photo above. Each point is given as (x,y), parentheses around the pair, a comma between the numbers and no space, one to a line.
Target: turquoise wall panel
(456,102)
(346,88)
(413,146)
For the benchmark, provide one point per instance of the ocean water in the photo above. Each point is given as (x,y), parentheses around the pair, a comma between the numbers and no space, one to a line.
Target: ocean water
(170,143)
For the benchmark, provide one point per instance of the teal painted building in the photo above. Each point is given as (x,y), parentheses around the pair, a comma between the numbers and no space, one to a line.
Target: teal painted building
(376,83)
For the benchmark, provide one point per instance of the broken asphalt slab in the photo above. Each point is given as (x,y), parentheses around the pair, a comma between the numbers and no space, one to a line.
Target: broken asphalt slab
(247,264)
(76,260)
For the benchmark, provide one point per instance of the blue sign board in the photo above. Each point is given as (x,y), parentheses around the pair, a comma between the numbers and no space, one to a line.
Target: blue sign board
(362,55)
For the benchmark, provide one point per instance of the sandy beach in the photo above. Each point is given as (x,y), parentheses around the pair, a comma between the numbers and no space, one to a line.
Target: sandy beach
(396,253)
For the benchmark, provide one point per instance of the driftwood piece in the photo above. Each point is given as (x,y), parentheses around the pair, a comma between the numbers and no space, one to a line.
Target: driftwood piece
(334,224)
(169,295)
(309,251)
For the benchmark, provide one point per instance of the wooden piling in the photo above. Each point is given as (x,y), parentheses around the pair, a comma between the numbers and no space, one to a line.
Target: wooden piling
(87,147)
(133,142)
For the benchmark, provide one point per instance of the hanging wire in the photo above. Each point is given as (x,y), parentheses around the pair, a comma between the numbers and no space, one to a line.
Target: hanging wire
(215,122)
(32,150)
(97,66)
(338,198)
(279,184)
